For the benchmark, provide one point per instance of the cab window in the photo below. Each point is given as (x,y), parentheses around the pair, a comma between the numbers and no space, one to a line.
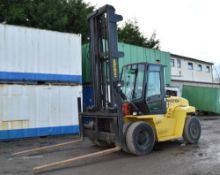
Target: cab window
(153,83)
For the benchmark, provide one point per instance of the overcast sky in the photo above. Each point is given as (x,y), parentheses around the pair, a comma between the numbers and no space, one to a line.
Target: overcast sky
(185,27)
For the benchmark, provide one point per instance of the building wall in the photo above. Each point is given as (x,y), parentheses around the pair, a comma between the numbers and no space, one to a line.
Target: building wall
(184,73)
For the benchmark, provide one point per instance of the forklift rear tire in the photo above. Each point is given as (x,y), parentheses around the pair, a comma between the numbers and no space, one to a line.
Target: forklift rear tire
(140,138)
(192,130)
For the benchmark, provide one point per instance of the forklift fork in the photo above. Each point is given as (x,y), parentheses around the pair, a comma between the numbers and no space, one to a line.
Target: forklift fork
(69,162)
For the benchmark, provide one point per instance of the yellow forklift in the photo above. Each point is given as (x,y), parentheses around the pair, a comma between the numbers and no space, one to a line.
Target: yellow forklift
(130,109)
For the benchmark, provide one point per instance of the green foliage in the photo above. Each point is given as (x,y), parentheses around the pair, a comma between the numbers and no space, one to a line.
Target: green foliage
(60,15)
(65,16)
(130,33)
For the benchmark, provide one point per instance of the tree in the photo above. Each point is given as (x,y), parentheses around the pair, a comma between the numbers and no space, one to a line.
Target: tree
(59,15)
(130,33)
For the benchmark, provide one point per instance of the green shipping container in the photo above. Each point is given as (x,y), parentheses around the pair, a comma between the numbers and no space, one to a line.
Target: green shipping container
(203,98)
(132,54)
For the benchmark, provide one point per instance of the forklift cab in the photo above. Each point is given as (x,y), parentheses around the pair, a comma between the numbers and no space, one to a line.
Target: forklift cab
(143,86)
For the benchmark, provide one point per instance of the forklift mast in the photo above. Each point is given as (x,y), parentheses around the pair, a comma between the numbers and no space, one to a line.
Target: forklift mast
(105,116)
(111,95)
(104,57)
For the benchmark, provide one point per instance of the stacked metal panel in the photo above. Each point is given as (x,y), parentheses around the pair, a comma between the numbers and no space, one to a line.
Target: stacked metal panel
(40,76)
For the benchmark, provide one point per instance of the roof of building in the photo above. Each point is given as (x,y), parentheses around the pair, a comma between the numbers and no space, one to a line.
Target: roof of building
(191,59)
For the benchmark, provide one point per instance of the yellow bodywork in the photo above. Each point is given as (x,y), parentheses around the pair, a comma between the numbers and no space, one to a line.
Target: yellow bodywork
(170,125)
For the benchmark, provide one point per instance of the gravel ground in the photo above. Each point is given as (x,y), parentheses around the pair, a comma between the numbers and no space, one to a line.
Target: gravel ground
(167,158)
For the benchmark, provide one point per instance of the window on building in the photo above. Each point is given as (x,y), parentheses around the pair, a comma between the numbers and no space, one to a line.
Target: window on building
(207,68)
(190,66)
(172,62)
(199,67)
(178,63)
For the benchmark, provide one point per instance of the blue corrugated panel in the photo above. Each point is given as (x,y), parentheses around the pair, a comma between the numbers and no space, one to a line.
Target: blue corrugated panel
(21,77)
(36,132)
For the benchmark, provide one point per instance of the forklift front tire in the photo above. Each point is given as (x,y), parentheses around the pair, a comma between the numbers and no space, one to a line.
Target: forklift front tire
(192,130)
(140,138)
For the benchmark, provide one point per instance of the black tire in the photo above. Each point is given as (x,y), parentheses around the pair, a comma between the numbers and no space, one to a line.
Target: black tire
(192,130)
(125,129)
(140,138)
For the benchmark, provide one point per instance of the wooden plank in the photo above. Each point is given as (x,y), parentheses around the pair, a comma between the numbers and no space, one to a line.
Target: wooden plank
(68,162)
(45,148)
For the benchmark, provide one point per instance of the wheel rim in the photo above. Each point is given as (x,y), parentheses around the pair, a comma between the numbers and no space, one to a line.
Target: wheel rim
(194,130)
(143,139)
